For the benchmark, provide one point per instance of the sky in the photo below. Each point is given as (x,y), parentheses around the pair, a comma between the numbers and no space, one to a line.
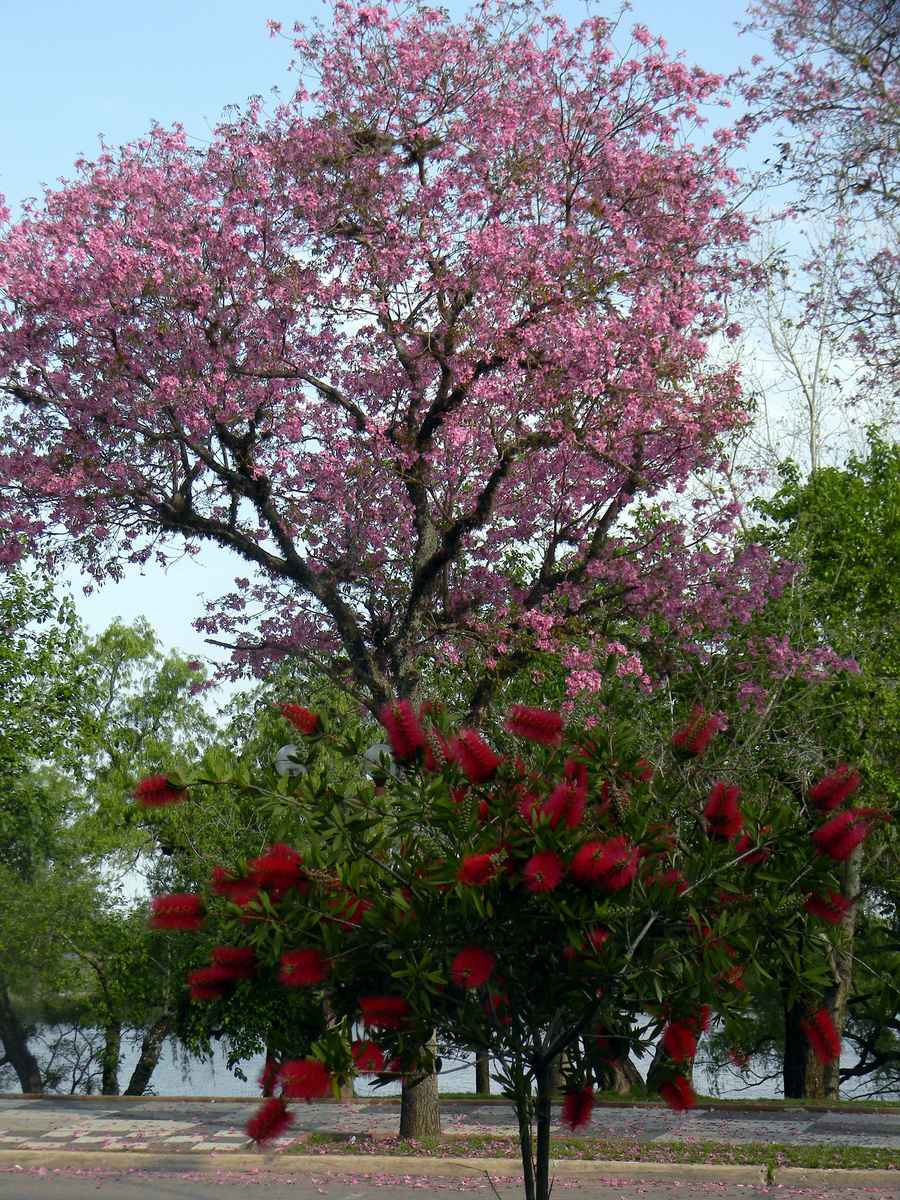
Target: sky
(74,71)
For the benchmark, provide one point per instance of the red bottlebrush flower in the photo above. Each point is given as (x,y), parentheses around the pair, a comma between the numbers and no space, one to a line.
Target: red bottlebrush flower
(840,836)
(536,724)
(472,967)
(528,807)
(384,1012)
(739,1058)
(597,937)
(278,869)
(348,909)
(700,1023)
(822,1036)
(693,738)
(496,1007)
(565,803)
(302,719)
(834,789)
(671,880)
(478,869)
(723,813)
(367,1057)
(240,961)
(678,1094)
(209,983)
(304,1079)
(436,752)
(238,891)
(303,968)
(156,792)
(406,735)
(679,1041)
(578,1105)
(543,871)
(610,865)
(831,908)
(182,910)
(270,1119)
(575,772)
(476,759)
(643,770)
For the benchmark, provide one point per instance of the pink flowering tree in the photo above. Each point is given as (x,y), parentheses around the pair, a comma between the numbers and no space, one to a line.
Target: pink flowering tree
(829,83)
(421,348)
(527,895)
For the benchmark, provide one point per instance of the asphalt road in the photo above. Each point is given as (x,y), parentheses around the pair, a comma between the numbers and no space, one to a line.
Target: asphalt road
(148,1185)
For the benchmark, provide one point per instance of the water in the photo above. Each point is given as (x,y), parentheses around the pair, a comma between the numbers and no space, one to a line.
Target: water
(178,1075)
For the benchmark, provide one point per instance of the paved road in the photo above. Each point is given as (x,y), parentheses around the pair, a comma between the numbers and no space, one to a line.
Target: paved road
(61,1123)
(144,1185)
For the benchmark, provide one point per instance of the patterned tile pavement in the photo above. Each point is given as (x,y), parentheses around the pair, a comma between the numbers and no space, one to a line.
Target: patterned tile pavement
(60,1123)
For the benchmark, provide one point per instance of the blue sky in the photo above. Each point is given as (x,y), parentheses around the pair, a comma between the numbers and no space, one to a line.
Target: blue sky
(72,71)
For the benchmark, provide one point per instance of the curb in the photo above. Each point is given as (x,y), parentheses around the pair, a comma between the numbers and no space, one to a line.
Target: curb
(836,1177)
(356,1164)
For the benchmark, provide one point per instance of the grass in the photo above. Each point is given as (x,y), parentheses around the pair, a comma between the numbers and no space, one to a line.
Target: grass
(627,1101)
(608,1149)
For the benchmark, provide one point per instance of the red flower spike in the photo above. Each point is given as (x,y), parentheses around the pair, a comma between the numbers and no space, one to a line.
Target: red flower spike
(536,724)
(303,968)
(694,738)
(302,719)
(472,967)
(406,735)
(478,869)
(671,880)
(597,937)
(822,1036)
(723,814)
(304,1079)
(156,792)
(679,1041)
(476,759)
(238,891)
(575,773)
(610,865)
(739,1058)
(528,807)
(367,1057)
(543,872)
(278,869)
(565,803)
(181,910)
(269,1121)
(577,1108)
(384,1012)
(678,1094)
(831,908)
(840,836)
(240,961)
(209,983)
(835,788)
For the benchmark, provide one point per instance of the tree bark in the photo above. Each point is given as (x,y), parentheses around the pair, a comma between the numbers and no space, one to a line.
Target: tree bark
(420,1109)
(542,1110)
(482,1073)
(618,1075)
(151,1048)
(839,998)
(554,1078)
(15,1045)
(112,1056)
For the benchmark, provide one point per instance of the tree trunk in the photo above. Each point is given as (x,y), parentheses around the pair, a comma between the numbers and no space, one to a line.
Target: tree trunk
(542,1110)
(420,1109)
(555,1076)
(618,1075)
(151,1048)
(15,1045)
(839,998)
(793,1063)
(523,1116)
(112,1056)
(482,1073)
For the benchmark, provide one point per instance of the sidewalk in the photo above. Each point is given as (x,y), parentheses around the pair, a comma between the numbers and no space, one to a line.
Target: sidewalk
(162,1125)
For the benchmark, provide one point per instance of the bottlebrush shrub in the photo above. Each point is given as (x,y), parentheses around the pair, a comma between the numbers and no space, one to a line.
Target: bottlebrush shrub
(452,898)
